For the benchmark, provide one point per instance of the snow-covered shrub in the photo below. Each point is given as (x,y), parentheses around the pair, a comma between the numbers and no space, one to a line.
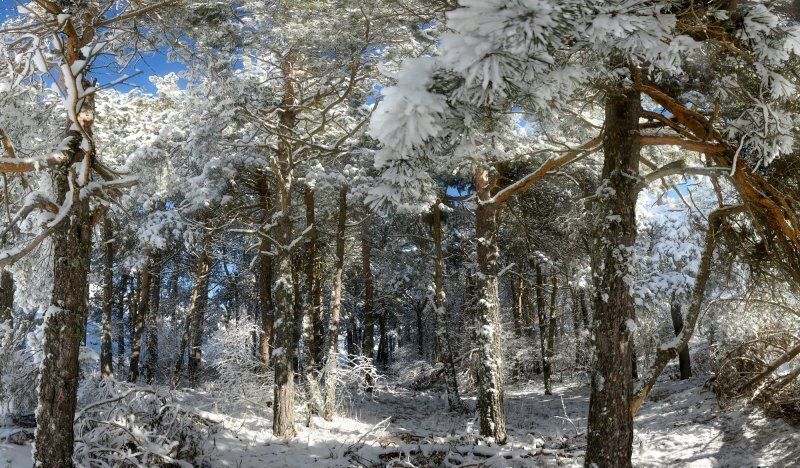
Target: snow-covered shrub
(18,369)
(238,371)
(120,424)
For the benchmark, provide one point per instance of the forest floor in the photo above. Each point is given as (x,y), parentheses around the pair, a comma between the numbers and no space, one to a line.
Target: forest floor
(680,425)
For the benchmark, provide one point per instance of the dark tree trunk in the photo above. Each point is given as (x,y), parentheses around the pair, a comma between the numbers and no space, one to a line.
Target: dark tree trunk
(541,315)
(106,342)
(316,327)
(141,318)
(265,336)
(332,337)
(610,426)
(383,340)
(442,322)
(199,299)
(198,318)
(490,372)
(153,323)
(120,325)
(419,310)
(684,361)
(369,305)
(6,297)
(551,332)
(63,330)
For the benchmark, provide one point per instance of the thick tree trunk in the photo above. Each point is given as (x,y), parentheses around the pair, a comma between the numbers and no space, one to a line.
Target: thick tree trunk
(684,362)
(285,344)
(106,341)
(419,310)
(153,323)
(541,315)
(383,340)
(610,428)
(141,318)
(198,318)
(64,323)
(442,322)
(332,336)
(490,366)
(315,325)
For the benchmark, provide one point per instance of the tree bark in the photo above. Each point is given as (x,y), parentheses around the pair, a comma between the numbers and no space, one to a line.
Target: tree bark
(141,318)
(199,298)
(198,318)
(285,344)
(106,342)
(541,314)
(490,366)
(316,328)
(120,325)
(684,361)
(332,336)
(153,323)
(369,305)
(610,425)
(442,322)
(551,330)
(265,336)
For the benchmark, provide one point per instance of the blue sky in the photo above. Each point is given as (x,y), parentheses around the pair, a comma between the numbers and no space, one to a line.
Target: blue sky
(150,64)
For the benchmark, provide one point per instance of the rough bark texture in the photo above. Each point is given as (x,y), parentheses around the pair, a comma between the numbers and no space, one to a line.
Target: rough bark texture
(199,299)
(332,336)
(684,361)
(490,368)
(368,344)
(442,322)
(6,297)
(141,318)
(153,322)
(285,344)
(315,327)
(610,426)
(119,328)
(265,279)
(198,318)
(541,315)
(64,326)
(551,331)
(106,344)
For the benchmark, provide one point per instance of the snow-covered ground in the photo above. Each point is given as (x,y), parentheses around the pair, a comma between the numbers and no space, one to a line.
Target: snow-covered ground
(681,425)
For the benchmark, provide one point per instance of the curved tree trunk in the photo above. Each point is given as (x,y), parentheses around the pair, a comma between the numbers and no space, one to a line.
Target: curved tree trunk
(490,368)
(684,361)
(610,427)
(332,336)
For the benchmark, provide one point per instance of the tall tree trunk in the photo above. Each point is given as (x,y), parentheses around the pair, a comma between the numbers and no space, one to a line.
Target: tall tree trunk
(198,318)
(64,324)
(141,318)
(153,323)
(316,327)
(610,427)
(106,357)
(369,302)
(419,310)
(684,361)
(285,344)
(490,366)
(199,298)
(383,340)
(551,330)
(120,325)
(442,322)
(541,314)
(332,336)
(265,336)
